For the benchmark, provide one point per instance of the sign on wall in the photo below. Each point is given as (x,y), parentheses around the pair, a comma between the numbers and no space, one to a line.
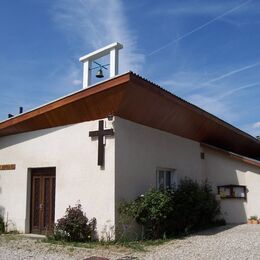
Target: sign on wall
(7,167)
(232,191)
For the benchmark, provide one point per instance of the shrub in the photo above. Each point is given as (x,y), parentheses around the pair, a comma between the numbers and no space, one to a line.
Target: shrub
(194,207)
(2,225)
(75,226)
(150,210)
(191,206)
(253,217)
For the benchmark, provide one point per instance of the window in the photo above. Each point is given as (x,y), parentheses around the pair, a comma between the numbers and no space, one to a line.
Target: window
(166,179)
(232,191)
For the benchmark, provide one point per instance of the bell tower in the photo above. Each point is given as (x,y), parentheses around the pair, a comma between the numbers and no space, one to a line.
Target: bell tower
(112,50)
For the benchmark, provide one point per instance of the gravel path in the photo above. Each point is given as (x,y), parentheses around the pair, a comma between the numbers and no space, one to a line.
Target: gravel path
(229,242)
(20,248)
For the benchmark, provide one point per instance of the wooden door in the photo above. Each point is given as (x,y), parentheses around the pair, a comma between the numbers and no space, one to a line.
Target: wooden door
(42,200)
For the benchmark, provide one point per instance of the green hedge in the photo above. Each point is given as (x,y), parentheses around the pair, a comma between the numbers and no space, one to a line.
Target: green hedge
(163,213)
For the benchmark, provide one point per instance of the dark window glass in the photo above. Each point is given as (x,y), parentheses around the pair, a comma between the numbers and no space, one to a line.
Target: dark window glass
(161,179)
(168,180)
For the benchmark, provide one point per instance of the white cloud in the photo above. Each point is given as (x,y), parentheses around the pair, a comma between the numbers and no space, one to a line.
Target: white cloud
(190,7)
(66,80)
(76,82)
(97,23)
(256,125)
(249,128)
(233,72)
(213,106)
(234,90)
(184,81)
(199,28)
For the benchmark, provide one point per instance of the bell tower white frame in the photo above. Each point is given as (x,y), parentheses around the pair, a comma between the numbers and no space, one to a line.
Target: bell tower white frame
(112,50)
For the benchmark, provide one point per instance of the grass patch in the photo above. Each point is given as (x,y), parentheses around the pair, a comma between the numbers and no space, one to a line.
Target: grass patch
(71,244)
(140,246)
(9,237)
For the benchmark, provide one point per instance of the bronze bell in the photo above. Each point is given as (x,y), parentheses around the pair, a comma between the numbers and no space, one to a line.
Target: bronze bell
(100,74)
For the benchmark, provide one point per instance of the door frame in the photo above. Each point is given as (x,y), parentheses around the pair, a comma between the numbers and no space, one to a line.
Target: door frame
(41,171)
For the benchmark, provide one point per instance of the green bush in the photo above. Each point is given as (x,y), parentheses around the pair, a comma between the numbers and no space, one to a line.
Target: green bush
(194,207)
(150,210)
(2,225)
(253,217)
(75,226)
(191,206)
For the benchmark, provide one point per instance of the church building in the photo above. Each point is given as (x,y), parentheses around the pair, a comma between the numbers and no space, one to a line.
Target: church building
(113,141)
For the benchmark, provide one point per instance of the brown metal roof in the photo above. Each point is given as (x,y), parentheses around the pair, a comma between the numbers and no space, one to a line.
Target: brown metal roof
(131,97)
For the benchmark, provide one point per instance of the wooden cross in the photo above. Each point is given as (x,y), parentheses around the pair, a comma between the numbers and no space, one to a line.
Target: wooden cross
(100,133)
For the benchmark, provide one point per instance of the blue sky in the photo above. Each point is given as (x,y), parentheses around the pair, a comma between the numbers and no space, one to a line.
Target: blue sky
(204,51)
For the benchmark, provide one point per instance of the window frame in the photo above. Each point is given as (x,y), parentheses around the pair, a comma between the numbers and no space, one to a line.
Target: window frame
(231,188)
(173,181)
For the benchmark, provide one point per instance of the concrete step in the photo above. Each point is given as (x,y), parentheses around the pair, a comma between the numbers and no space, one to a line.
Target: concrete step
(34,236)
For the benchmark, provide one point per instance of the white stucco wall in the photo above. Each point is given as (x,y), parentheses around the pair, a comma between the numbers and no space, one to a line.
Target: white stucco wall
(78,177)
(140,150)
(222,169)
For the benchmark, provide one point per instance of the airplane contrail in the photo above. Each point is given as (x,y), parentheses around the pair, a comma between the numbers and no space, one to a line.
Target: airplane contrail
(228,93)
(232,73)
(198,28)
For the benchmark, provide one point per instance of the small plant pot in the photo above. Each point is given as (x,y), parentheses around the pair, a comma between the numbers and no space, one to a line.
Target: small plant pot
(253,222)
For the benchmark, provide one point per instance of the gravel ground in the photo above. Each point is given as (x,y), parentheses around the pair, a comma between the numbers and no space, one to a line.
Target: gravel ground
(20,248)
(229,242)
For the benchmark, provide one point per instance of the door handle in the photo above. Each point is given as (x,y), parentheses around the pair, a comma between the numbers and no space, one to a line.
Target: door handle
(41,206)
